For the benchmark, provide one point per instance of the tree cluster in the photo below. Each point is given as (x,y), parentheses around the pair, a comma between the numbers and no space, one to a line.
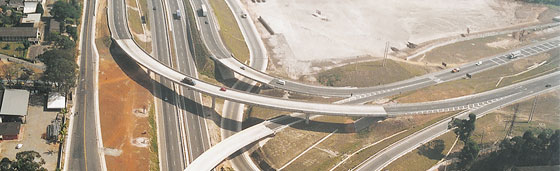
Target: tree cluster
(25,160)
(8,19)
(464,130)
(63,10)
(526,150)
(61,69)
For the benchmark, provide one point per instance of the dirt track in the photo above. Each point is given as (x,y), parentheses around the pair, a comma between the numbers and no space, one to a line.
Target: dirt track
(119,95)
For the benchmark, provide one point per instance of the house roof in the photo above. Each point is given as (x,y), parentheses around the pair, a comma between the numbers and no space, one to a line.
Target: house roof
(31,18)
(18,31)
(14,102)
(9,128)
(54,26)
(56,101)
(29,7)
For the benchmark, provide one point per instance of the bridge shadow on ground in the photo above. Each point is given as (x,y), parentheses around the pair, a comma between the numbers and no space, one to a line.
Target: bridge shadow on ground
(140,76)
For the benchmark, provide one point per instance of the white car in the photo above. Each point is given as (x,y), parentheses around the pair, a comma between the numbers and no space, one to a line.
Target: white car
(18,146)
(478,63)
(281,82)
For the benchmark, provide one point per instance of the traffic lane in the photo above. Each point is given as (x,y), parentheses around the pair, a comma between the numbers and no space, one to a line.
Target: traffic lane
(174,149)
(120,20)
(383,158)
(551,79)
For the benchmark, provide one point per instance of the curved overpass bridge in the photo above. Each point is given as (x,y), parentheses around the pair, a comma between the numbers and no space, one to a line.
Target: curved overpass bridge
(121,36)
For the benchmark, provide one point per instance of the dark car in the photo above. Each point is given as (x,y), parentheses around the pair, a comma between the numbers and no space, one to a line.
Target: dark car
(548,85)
(188,81)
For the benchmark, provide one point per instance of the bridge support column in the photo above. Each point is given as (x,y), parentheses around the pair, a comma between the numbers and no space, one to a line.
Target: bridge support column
(307,118)
(213,102)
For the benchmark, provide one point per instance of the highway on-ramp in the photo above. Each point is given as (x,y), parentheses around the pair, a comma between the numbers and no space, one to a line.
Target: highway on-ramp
(400,148)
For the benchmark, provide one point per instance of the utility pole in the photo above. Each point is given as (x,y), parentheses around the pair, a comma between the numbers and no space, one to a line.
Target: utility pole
(515,109)
(533,109)
(385,53)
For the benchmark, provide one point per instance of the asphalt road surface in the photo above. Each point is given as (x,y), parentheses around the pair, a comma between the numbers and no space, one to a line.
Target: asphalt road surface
(385,157)
(84,153)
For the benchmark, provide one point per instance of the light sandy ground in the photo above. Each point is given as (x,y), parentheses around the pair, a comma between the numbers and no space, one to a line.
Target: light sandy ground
(347,29)
(31,136)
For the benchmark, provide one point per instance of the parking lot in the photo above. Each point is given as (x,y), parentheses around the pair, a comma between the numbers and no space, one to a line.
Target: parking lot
(32,135)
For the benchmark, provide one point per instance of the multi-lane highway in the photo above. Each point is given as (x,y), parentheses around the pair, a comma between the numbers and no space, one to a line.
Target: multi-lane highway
(84,152)
(221,54)
(519,92)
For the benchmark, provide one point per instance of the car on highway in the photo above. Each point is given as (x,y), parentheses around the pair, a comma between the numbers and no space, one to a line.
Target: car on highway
(242,67)
(188,81)
(222,89)
(455,70)
(514,55)
(243,15)
(281,82)
(478,63)
(548,85)
(154,8)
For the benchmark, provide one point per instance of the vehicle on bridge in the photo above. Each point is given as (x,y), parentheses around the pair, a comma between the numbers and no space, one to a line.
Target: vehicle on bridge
(188,81)
(281,82)
(514,55)
(455,70)
(203,11)
(178,14)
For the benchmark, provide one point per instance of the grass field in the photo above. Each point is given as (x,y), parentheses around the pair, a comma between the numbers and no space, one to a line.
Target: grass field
(370,73)
(483,81)
(470,50)
(229,31)
(292,141)
(416,160)
(12,50)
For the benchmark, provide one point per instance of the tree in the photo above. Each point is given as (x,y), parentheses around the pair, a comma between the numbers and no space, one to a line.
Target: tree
(39,9)
(62,72)
(11,71)
(465,127)
(7,46)
(468,154)
(62,10)
(26,44)
(25,160)
(72,31)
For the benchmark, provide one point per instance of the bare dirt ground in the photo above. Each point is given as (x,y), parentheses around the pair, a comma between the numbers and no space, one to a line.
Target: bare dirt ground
(122,101)
(329,30)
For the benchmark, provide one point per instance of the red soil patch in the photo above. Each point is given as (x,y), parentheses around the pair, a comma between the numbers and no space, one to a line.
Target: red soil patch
(119,95)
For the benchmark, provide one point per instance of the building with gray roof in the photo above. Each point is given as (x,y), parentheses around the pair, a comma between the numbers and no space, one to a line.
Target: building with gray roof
(14,103)
(16,34)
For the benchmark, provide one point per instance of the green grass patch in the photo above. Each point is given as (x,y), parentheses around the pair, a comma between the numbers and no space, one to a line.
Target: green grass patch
(424,157)
(14,49)
(229,31)
(134,22)
(370,73)
(154,158)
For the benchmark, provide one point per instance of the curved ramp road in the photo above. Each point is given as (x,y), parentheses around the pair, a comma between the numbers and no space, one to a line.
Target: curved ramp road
(133,51)
(504,95)
(211,37)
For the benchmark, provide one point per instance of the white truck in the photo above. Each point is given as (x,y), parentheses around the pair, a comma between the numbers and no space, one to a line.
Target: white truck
(178,14)
(203,11)
(513,55)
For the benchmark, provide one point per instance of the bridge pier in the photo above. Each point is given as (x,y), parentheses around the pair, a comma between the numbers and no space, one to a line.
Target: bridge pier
(213,102)
(307,118)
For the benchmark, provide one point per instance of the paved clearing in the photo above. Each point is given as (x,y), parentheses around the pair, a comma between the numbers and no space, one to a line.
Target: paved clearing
(32,133)
(316,30)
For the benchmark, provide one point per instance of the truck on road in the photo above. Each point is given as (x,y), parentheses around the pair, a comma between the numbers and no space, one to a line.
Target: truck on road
(203,10)
(178,14)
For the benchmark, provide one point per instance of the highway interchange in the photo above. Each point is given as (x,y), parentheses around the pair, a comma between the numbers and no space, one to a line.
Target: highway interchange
(179,100)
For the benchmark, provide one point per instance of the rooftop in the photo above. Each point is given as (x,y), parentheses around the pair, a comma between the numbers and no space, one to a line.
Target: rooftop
(56,101)
(9,128)
(29,7)
(18,31)
(31,18)
(14,102)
